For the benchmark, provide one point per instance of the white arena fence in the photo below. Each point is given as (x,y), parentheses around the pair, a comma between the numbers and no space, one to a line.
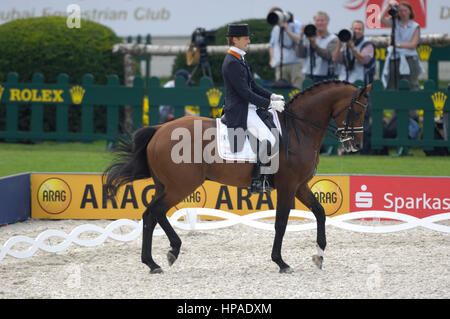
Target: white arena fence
(192,223)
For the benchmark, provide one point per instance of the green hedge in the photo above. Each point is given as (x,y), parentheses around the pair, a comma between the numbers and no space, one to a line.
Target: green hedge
(259,62)
(46,45)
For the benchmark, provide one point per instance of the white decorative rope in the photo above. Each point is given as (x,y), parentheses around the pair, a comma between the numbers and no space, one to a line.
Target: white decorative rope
(229,219)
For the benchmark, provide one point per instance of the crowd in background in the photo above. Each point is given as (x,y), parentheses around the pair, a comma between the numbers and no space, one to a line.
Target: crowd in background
(298,51)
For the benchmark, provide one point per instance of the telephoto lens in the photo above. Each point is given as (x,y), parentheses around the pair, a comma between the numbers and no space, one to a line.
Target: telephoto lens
(310,30)
(278,17)
(345,35)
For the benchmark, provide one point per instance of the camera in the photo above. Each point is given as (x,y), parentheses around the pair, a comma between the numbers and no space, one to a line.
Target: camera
(393,11)
(345,35)
(277,17)
(310,30)
(201,37)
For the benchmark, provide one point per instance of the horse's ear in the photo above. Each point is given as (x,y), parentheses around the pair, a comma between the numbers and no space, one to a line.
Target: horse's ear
(368,88)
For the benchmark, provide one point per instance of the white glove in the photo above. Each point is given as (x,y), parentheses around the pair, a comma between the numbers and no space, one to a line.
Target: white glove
(276,97)
(277,105)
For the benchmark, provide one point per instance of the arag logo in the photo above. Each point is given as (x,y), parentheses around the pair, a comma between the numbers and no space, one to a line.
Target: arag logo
(329,195)
(196,199)
(54,195)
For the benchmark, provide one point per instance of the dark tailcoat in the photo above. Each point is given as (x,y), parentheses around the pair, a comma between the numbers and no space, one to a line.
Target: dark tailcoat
(240,90)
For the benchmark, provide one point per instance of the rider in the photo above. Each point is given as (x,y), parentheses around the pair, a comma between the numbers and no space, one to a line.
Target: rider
(244,97)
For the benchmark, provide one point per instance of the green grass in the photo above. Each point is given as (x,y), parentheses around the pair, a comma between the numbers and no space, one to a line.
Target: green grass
(53,157)
(416,164)
(93,157)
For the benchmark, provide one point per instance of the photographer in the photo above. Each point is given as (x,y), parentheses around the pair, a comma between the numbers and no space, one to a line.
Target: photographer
(356,61)
(317,49)
(405,63)
(402,61)
(355,55)
(282,50)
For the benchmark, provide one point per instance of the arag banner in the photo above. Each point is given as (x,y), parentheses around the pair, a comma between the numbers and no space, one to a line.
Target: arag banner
(82,196)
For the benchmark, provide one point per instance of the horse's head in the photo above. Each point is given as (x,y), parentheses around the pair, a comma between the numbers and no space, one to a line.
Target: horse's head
(348,113)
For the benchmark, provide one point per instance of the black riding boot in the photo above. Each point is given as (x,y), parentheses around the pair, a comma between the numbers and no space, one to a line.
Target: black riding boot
(260,182)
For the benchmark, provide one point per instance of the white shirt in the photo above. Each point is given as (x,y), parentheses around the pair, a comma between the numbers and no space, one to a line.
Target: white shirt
(239,51)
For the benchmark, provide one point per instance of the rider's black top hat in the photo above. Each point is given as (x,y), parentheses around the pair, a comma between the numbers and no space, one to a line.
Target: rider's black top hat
(238,30)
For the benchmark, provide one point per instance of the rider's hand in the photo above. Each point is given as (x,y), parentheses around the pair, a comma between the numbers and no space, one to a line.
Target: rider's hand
(276,97)
(277,105)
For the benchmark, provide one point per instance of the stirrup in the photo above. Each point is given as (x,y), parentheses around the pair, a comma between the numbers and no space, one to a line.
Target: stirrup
(266,184)
(260,185)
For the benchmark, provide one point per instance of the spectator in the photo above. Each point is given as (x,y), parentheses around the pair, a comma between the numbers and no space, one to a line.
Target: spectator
(318,50)
(356,61)
(406,63)
(166,112)
(282,52)
(356,57)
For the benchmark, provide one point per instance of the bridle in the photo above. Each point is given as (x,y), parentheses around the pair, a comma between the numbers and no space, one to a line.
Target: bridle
(342,134)
(347,132)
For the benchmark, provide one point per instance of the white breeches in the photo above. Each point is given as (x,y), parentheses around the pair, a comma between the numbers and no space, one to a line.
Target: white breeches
(256,126)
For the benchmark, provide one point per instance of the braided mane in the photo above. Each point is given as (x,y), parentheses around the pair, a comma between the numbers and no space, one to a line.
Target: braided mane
(318,84)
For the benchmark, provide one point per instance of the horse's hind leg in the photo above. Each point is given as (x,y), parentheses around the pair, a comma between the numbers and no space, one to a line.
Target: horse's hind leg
(174,239)
(156,213)
(306,196)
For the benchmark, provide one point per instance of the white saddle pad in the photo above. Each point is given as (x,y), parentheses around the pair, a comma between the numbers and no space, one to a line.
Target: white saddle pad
(247,154)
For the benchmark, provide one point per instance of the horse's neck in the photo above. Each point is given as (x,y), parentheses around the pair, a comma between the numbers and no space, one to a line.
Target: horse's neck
(317,107)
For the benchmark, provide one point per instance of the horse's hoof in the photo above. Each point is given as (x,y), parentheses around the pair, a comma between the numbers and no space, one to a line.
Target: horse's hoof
(156,271)
(171,258)
(286,270)
(318,261)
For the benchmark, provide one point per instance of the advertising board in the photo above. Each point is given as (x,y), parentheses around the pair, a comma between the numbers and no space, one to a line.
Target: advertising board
(416,196)
(82,196)
(180,18)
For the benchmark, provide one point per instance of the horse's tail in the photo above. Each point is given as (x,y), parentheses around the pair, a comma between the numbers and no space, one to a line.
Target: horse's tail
(130,160)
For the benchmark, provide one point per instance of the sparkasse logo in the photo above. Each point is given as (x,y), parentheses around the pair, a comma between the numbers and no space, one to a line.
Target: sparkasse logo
(416,196)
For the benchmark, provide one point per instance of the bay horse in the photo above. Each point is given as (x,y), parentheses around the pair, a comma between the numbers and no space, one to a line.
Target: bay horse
(304,123)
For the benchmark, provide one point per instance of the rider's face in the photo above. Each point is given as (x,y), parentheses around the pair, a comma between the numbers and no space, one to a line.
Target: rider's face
(241,43)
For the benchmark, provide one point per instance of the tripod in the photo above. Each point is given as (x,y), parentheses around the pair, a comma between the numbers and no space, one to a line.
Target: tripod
(281,52)
(281,83)
(394,52)
(204,64)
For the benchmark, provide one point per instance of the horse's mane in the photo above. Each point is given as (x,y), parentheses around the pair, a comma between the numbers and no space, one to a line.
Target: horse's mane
(318,84)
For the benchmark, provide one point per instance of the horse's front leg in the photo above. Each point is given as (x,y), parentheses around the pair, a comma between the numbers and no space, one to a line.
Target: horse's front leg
(306,196)
(284,202)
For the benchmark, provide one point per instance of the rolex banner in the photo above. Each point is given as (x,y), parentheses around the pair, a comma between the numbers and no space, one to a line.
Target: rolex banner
(81,196)
(35,94)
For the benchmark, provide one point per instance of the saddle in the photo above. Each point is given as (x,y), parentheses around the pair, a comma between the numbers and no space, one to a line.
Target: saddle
(240,148)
